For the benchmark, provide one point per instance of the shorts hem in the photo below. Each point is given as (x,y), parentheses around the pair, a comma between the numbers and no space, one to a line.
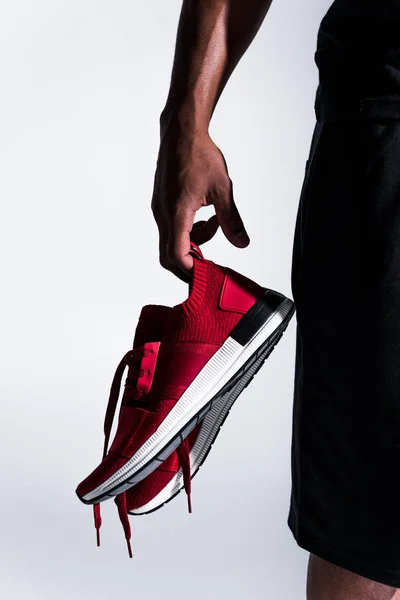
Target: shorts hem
(345,561)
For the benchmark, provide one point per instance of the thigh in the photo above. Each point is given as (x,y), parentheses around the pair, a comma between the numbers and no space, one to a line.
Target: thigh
(329,582)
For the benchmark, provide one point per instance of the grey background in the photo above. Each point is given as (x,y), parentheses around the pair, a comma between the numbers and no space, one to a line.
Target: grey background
(83,83)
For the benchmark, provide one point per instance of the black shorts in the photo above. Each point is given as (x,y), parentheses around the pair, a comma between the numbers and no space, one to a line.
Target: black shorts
(345,503)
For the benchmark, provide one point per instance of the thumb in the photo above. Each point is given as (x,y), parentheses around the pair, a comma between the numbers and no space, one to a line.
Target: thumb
(230,221)
(179,240)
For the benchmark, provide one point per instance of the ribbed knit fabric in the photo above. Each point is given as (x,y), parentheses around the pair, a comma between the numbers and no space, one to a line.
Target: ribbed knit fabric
(199,318)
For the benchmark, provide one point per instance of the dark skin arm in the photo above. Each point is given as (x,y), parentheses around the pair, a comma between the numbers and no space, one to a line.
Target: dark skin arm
(191,171)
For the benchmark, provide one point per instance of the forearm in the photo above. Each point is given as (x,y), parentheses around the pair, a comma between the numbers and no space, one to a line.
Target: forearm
(212,37)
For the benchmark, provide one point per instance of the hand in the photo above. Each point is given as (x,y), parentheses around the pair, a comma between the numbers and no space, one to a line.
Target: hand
(191,172)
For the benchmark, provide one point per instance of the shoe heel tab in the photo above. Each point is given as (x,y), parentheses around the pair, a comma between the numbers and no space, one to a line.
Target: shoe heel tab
(238,292)
(195,251)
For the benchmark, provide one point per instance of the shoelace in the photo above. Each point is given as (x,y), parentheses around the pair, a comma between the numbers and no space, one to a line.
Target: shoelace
(124,518)
(184,462)
(133,356)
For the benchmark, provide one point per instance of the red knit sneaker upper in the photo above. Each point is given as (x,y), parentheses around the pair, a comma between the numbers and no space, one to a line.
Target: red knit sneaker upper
(161,370)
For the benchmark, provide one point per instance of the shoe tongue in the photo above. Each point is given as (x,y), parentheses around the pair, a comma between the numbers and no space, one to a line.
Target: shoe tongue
(151,324)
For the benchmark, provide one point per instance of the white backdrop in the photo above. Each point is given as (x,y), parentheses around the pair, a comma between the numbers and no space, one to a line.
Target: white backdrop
(82,86)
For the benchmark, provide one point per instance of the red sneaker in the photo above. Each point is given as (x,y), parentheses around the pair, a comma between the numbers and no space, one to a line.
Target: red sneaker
(207,343)
(178,470)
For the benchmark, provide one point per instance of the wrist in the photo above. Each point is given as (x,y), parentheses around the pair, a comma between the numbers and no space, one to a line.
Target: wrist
(185,119)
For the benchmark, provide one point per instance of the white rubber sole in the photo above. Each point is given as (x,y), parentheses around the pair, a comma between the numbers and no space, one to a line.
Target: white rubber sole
(208,432)
(219,370)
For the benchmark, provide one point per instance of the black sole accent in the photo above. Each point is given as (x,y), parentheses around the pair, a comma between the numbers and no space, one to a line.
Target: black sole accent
(259,314)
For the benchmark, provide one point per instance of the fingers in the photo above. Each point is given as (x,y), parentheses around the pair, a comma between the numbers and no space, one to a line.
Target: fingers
(177,232)
(229,218)
(174,256)
(176,235)
(204,231)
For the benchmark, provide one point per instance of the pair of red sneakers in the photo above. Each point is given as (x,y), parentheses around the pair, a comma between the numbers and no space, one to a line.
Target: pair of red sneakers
(188,365)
